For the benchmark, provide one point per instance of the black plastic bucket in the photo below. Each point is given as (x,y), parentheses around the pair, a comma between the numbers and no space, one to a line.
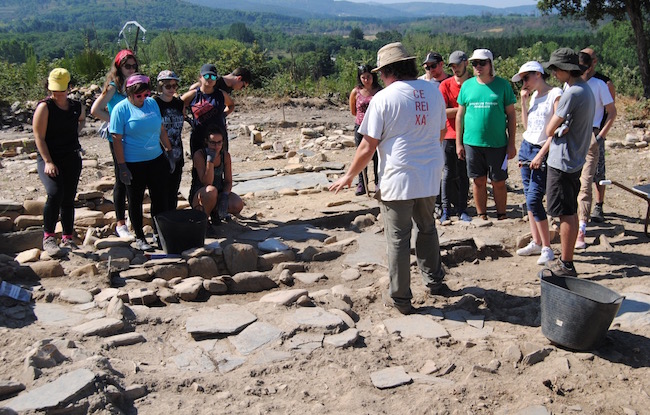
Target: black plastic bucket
(180,230)
(576,313)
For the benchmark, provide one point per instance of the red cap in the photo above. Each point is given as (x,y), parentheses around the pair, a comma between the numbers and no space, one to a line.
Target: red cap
(123,54)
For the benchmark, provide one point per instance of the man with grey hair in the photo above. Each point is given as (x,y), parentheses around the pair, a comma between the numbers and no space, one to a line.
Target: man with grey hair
(405,123)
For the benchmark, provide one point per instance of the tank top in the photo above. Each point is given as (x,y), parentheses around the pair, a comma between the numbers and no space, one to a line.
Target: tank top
(62,133)
(362,105)
(218,181)
(207,110)
(115,99)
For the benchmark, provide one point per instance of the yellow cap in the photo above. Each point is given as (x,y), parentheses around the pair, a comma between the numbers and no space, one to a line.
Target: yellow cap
(58,80)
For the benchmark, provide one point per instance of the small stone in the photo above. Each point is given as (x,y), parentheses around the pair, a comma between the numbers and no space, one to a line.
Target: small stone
(283,297)
(350,274)
(47,269)
(135,391)
(100,327)
(309,277)
(255,281)
(189,289)
(215,286)
(536,356)
(240,258)
(75,296)
(141,274)
(143,296)
(344,339)
(390,377)
(88,270)
(125,339)
(115,308)
(31,255)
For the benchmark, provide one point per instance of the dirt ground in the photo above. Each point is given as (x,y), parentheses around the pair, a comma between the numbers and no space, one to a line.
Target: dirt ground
(471,371)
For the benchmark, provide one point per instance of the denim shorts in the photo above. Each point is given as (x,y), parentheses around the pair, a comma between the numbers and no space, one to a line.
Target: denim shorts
(534,180)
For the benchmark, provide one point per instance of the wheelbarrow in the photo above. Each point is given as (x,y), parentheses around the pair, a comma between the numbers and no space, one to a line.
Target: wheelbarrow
(642,191)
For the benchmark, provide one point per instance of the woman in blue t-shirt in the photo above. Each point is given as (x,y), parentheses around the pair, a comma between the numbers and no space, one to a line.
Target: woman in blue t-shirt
(138,133)
(124,65)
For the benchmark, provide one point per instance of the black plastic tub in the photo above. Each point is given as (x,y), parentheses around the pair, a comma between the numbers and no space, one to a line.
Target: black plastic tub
(180,230)
(576,313)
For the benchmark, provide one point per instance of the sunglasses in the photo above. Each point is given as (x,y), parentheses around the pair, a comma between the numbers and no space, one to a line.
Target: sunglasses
(481,62)
(432,66)
(144,94)
(128,66)
(170,86)
(525,78)
(216,143)
(208,77)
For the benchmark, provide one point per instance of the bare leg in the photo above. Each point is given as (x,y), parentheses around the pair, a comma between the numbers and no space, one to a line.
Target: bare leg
(479,187)
(568,236)
(500,196)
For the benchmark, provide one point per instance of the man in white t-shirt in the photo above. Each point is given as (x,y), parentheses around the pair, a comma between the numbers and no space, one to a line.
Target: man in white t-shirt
(604,103)
(405,123)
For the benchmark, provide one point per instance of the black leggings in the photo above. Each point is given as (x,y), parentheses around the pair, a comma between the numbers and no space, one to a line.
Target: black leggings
(152,174)
(173,186)
(119,190)
(375,159)
(61,191)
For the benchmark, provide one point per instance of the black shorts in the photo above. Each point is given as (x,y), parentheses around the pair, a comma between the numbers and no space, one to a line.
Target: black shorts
(562,192)
(486,161)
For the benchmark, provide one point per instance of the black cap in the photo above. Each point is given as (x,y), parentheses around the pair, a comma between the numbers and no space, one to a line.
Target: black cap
(209,69)
(433,57)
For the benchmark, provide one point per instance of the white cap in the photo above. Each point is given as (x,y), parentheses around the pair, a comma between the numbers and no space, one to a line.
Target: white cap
(483,54)
(531,66)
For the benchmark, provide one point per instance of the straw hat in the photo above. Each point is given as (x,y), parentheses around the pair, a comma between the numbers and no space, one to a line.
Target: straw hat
(391,53)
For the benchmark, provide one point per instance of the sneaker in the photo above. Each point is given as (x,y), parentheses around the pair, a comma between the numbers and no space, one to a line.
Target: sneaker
(465,217)
(361,190)
(580,242)
(142,245)
(531,249)
(123,231)
(52,248)
(444,216)
(68,243)
(440,289)
(155,240)
(546,255)
(558,268)
(437,211)
(598,215)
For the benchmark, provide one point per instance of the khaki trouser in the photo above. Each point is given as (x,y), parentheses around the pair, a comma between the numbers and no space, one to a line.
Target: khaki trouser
(587,178)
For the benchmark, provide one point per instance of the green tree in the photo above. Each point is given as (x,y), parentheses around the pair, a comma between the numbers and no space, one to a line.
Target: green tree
(356,33)
(637,11)
(240,32)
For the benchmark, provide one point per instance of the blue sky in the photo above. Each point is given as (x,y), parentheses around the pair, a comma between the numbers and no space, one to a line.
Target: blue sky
(493,3)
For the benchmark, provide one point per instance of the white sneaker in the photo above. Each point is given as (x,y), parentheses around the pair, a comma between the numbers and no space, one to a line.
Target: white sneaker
(123,231)
(531,249)
(142,245)
(546,255)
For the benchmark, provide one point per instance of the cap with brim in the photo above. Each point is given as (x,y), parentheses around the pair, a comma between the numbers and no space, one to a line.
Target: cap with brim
(209,69)
(433,57)
(58,80)
(123,54)
(168,76)
(483,54)
(565,59)
(391,53)
(531,66)
(457,57)
(136,79)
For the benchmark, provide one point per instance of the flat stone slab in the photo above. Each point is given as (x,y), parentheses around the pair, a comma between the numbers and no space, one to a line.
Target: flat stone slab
(226,320)
(284,297)
(267,356)
(54,393)
(309,277)
(253,175)
(416,326)
(371,249)
(299,233)
(345,339)
(390,377)
(125,339)
(101,327)
(315,317)
(305,342)
(634,311)
(75,296)
(10,205)
(57,315)
(9,387)
(194,360)
(294,181)
(255,336)
(255,235)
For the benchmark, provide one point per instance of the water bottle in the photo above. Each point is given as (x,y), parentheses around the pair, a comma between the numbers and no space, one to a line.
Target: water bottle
(15,292)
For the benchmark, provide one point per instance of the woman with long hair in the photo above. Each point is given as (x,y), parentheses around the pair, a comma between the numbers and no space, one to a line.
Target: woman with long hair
(538,103)
(138,139)
(360,96)
(57,122)
(124,65)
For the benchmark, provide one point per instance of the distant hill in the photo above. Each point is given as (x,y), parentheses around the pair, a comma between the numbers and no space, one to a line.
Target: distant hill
(332,8)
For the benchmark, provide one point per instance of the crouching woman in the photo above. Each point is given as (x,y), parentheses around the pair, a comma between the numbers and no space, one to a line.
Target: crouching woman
(212,178)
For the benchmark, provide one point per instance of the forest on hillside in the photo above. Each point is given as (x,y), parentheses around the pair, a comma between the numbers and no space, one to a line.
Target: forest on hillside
(288,56)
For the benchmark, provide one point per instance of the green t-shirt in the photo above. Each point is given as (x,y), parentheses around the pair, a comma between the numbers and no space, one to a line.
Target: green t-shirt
(485,112)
